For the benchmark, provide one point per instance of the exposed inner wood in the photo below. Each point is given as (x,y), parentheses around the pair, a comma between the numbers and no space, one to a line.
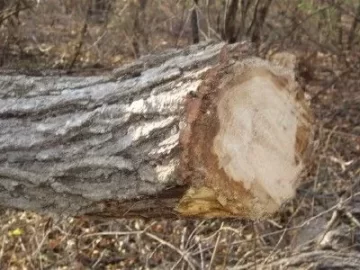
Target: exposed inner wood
(246,141)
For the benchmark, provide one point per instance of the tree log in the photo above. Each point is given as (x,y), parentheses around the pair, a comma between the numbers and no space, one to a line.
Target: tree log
(205,131)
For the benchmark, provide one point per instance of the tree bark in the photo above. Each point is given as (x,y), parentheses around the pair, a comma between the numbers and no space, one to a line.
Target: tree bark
(128,144)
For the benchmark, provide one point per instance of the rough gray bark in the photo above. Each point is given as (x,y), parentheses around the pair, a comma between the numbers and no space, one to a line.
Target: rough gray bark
(232,131)
(67,142)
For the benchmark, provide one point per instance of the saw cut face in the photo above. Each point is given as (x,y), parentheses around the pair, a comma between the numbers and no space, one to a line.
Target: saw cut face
(256,140)
(247,144)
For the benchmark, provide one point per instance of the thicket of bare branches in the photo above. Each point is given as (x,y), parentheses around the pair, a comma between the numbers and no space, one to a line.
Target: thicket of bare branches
(102,33)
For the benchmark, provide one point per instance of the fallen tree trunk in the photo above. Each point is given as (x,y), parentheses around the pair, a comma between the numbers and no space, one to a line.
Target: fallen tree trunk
(173,134)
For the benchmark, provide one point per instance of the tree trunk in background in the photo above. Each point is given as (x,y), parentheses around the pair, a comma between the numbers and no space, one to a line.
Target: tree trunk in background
(230,21)
(195,23)
(131,143)
(260,14)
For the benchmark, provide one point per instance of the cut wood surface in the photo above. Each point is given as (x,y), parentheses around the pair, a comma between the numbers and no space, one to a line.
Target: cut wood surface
(205,131)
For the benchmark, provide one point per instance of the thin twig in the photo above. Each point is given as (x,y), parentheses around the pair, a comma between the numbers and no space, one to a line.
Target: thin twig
(334,218)
(79,44)
(353,219)
(216,246)
(184,255)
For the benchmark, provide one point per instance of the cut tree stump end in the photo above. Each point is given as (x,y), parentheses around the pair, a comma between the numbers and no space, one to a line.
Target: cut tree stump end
(246,140)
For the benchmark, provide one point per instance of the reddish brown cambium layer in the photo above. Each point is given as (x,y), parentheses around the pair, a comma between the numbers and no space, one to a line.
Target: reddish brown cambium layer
(199,165)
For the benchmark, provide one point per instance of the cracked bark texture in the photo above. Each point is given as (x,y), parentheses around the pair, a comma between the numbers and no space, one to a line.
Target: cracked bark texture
(97,144)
